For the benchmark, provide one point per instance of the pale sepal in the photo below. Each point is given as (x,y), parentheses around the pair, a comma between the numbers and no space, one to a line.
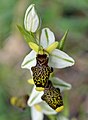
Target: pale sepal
(35,97)
(47,37)
(57,82)
(36,115)
(46,109)
(30,60)
(59,59)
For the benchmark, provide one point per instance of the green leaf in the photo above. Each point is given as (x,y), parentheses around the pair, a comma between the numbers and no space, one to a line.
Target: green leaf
(62,41)
(27,35)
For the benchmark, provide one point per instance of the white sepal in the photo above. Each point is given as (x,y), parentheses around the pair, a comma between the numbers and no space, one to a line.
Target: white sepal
(57,82)
(35,97)
(36,115)
(59,59)
(30,60)
(46,109)
(47,37)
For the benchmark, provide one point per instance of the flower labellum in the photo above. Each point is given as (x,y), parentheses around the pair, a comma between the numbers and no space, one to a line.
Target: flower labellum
(31,20)
(52,97)
(41,72)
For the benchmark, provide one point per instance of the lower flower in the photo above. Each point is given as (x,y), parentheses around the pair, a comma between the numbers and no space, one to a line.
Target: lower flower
(52,97)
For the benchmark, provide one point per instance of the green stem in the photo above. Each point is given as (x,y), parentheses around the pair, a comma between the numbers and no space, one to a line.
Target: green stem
(52,117)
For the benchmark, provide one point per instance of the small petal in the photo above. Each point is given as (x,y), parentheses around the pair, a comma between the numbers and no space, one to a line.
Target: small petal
(59,59)
(30,60)
(60,83)
(35,47)
(51,47)
(35,97)
(47,37)
(36,115)
(31,20)
(46,109)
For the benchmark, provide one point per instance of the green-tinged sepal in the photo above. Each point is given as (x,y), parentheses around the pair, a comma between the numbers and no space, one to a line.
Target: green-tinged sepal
(63,85)
(62,41)
(27,35)
(51,47)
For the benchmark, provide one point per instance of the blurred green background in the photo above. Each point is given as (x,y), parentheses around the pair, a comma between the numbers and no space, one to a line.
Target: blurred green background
(59,15)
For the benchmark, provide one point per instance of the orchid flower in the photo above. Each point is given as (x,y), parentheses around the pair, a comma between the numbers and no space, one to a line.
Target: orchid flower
(57,58)
(39,107)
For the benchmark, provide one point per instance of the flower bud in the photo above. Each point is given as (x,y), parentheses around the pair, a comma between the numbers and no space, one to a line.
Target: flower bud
(31,20)
(52,97)
(20,102)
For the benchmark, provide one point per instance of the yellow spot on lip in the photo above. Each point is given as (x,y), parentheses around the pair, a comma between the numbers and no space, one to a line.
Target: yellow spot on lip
(38,107)
(59,109)
(39,88)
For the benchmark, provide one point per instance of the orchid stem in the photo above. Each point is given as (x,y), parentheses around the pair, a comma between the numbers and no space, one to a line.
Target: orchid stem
(52,117)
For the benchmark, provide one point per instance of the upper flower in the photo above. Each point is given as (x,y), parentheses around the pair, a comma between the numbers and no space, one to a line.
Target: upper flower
(31,20)
(57,58)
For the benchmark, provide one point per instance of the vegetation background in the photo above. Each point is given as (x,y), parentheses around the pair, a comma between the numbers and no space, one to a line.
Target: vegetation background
(59,15)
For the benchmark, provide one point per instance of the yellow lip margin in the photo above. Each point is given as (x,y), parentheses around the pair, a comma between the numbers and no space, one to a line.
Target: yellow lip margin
(39,88)
(59,109)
